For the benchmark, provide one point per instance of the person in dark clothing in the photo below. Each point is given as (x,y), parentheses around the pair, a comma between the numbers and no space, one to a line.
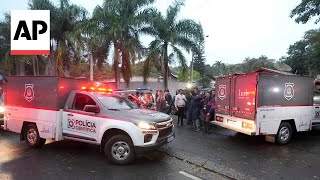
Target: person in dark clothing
(208,110)
(168,99)
(195,108)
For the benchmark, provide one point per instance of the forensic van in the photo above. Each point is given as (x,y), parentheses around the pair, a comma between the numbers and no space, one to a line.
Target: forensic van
(266,102)
(41,108)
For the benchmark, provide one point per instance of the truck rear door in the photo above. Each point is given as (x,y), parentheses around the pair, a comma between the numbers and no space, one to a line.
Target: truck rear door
(243,102)
(223,89)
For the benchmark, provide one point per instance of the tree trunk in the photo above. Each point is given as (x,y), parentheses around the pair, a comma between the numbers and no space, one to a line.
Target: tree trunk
(34,65)
(115,66)
(50,67)
(166,67)
(22,68)
(37,61)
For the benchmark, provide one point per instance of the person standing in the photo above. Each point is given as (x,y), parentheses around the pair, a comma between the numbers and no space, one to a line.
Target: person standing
(153,96)
(195,108)
(180,103)
(161,104)
(168,99)
(208,110)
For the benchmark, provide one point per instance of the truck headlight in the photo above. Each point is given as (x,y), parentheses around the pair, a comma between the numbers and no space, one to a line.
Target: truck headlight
(1,109)
(144,125)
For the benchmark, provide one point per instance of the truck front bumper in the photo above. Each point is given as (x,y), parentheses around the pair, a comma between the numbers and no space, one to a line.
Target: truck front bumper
(160,142)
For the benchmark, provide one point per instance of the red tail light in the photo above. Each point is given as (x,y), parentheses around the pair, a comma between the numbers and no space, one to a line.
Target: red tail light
(220,119)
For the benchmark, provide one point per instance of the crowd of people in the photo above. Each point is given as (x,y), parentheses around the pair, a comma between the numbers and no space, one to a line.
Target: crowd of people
(197,108)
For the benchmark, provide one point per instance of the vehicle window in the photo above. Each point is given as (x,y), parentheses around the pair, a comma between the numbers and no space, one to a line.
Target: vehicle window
(112,102)
(316,97)
(82,100)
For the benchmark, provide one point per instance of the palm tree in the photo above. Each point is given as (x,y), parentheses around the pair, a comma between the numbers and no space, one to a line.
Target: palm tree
(7,61)
(66,37)
(116,23)
(171,34)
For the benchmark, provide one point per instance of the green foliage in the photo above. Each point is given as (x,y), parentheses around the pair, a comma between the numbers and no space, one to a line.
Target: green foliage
(205,82)
(185,77)
(199,59)
(170,33)
(304,55)
(252,64)
(306,10)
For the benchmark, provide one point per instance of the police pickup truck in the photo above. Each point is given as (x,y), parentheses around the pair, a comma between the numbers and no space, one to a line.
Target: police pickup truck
(41,108)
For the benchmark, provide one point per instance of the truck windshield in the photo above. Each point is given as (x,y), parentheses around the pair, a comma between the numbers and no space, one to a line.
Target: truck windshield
(112,102)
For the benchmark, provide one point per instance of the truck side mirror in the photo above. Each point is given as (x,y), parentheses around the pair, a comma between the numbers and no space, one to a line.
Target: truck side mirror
(91,108)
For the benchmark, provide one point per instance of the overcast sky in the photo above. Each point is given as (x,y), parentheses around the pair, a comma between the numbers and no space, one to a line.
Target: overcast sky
(237,29)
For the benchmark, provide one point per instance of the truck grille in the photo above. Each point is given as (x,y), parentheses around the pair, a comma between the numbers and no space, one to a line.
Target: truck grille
(164,124)
(165,132)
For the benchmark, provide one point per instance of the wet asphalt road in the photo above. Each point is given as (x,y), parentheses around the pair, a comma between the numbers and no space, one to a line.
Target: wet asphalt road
(242,157)
(74,160)
(222,154)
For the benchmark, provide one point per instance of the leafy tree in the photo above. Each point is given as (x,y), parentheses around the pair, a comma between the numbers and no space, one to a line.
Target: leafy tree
(118,22)
(205,82)
(298,58)
(171,33)
(65,20)
(252,64)
(199,59)
(306,10)
(183,77)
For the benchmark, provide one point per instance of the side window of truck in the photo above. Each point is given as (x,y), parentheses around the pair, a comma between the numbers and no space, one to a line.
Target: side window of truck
(82,100)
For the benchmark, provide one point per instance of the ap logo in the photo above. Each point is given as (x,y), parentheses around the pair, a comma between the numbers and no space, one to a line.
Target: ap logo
(30,32)
(288,91)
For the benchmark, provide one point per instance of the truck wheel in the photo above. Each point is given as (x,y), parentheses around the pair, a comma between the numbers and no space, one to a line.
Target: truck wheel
(284,134)
(32,136)
(119,150)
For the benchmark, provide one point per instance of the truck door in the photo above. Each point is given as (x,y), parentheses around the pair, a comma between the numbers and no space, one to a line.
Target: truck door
(77,123)
(244,99)
(316,105)
(223,87)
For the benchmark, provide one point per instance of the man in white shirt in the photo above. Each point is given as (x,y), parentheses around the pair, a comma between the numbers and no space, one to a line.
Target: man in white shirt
(180,103)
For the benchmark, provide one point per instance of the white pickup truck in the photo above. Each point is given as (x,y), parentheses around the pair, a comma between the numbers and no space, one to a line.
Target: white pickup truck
(41,108)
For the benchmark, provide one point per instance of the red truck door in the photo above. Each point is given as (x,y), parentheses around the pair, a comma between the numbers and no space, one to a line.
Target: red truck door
(244,99)
(223,89)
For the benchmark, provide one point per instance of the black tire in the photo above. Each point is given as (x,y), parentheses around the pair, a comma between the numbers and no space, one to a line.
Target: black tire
(32,136)
(119,150)
(284,134)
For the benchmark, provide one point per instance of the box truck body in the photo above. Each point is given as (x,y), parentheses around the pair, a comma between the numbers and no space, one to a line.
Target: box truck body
(257,103)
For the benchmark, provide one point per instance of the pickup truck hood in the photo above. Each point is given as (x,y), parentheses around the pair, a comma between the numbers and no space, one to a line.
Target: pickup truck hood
(142,115)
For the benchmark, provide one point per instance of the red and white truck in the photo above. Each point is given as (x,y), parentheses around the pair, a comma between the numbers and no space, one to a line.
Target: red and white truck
(267,103)
(41,108)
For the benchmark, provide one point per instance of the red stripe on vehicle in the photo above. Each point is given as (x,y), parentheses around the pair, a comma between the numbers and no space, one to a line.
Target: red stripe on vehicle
(289,105)
(30,52)
(101,116)
(29,107)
